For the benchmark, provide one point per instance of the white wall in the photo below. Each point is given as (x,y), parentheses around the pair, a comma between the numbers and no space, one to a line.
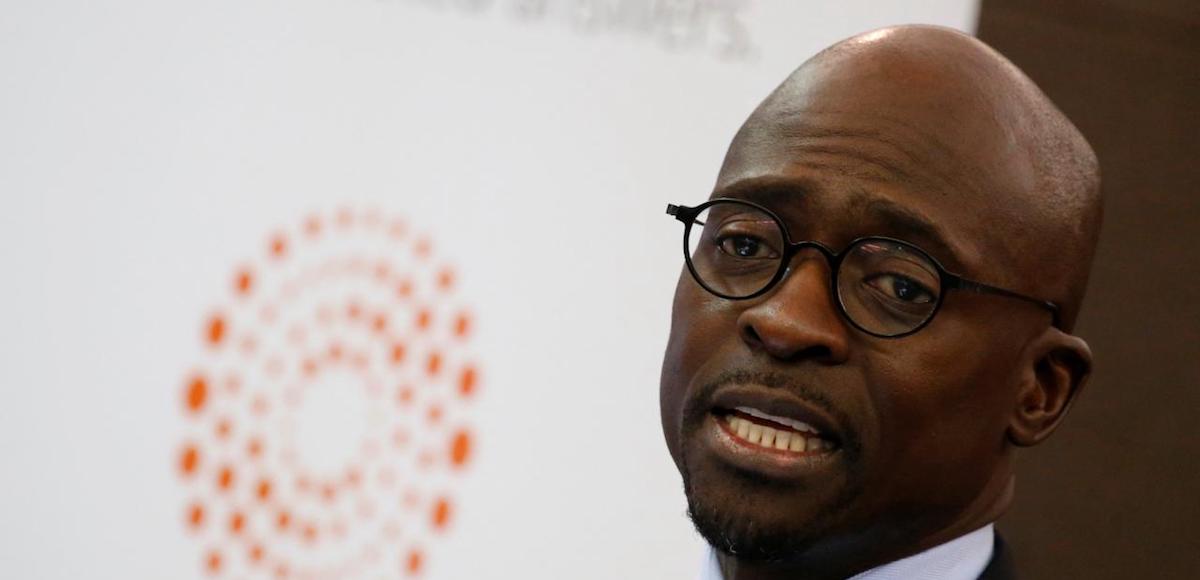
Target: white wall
(149,150)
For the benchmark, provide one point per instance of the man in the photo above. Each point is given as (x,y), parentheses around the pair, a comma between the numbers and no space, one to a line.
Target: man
(876,313)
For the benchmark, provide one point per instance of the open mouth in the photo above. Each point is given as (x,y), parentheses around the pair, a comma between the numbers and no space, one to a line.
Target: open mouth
(755,428)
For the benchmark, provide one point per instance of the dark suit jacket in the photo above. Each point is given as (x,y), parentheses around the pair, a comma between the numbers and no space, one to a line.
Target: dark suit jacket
(1001,566)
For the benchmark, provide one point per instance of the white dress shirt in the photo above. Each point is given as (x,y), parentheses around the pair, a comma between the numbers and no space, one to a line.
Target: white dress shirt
(963,558)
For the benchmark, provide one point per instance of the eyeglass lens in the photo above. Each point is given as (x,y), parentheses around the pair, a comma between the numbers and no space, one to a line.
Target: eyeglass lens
(884,287)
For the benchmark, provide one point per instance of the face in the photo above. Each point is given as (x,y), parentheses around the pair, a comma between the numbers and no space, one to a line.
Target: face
(799,436)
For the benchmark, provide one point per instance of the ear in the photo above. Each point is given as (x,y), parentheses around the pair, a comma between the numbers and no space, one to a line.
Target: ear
(1056,366)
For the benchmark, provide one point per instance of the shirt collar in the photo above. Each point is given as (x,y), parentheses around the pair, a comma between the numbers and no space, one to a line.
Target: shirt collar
(963,558)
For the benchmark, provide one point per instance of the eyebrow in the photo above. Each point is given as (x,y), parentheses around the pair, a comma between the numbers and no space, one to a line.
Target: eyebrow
(882,216)
(901,222)
(767,189)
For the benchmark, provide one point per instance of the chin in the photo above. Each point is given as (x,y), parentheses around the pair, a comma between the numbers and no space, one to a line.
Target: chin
(759,520)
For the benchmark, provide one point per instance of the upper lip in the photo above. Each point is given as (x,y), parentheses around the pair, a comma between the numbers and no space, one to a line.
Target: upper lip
(773,401)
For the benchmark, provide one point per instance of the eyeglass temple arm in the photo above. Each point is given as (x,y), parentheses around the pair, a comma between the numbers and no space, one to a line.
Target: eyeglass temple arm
(972,286)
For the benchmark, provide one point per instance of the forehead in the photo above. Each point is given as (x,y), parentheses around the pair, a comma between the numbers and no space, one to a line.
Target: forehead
(847,137)
(846,173)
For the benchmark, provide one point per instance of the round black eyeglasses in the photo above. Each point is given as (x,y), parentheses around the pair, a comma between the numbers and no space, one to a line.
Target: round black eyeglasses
(885,287)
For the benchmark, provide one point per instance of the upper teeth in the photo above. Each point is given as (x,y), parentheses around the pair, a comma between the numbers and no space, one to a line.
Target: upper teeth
(794,424)
(771,438)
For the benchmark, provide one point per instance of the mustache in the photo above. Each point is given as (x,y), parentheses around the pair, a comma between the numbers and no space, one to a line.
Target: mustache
(698,405)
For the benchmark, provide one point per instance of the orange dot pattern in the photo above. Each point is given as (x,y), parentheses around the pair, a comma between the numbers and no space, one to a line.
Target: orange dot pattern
(363,300)
(197,394)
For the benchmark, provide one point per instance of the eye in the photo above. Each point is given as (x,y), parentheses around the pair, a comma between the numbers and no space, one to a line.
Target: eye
(745,246)
(901,288)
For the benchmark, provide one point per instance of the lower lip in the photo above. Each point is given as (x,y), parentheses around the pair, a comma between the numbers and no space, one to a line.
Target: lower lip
(773,463)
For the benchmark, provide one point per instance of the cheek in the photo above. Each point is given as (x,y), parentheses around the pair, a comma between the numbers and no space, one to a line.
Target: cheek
(671,391)
(697,328)
(943,403)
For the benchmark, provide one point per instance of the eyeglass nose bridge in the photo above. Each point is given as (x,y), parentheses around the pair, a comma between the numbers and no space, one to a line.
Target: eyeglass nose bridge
(794,248)
(832,259)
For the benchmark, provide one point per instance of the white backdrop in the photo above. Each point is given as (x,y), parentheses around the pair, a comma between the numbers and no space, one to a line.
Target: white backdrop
(152,152)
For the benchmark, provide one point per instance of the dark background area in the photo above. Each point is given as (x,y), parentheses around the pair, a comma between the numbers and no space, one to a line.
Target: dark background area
(1114,493)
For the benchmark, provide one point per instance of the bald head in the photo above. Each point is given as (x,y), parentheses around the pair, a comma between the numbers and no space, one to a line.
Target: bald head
(936,110)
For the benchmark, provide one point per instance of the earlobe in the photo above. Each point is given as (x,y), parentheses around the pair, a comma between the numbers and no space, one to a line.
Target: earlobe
(1057,366)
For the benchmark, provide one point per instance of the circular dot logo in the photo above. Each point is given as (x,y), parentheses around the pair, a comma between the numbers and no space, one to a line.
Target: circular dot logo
(327,420)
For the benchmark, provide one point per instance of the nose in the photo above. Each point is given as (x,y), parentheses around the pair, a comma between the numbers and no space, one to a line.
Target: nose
(798,319)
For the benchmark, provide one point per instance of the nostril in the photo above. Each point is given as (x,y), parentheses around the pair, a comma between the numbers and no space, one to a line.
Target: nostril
(751,336)
(818,352)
